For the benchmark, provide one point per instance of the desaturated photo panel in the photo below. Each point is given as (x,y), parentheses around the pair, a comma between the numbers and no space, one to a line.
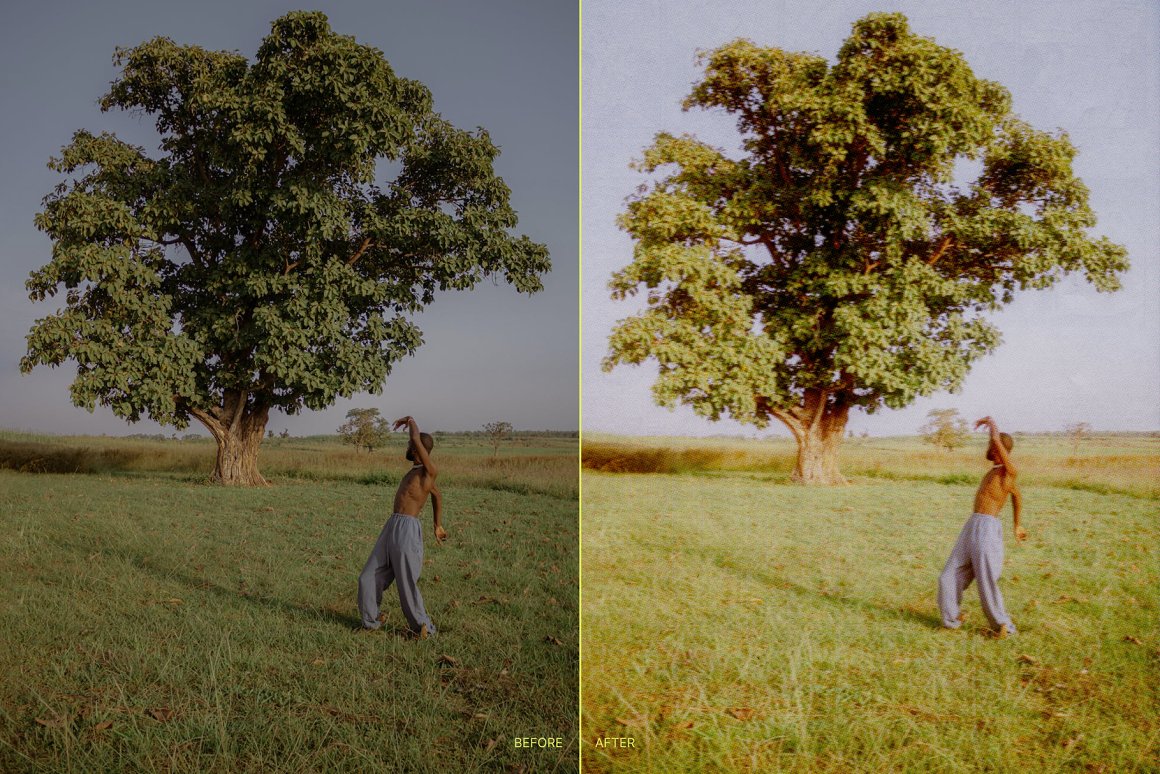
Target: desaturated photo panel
(870,429)
(289,387)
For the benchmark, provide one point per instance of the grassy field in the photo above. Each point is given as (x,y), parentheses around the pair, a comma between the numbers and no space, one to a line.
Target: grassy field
(733,622)
(151,622)
(1104,464)
(523,465)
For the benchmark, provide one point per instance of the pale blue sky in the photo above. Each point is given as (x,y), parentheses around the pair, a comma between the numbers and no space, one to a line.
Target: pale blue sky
(510,66)
(1069,354)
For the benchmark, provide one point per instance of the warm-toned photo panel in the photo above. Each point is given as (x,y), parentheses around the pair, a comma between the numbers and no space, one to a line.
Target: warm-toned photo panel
(289,387)
(870,430)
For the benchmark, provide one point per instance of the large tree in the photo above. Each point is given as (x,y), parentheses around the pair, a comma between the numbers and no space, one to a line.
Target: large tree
(262,260)
(847,254)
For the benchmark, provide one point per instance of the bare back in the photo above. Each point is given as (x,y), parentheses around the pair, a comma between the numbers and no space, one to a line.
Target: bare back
(992,494)
(412,493)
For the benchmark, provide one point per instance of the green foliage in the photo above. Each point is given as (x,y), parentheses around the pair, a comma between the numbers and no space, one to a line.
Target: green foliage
(838,260)
(261,261)
(945,428)
(365,429)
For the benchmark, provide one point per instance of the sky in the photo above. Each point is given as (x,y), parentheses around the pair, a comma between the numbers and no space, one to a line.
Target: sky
(1069,354)
(510,66)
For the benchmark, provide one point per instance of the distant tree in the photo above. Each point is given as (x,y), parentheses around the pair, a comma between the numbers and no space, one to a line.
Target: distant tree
(270,434)
(365,429)
(496,433)
(838,259)
(1076,433)
(284,434)
(945,428)
(264,259)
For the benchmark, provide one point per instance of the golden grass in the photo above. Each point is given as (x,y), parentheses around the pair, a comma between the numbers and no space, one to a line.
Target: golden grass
(1123,464)
(535,464)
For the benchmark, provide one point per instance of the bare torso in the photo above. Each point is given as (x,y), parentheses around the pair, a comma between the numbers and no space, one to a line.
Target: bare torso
(993,491)
(413,491)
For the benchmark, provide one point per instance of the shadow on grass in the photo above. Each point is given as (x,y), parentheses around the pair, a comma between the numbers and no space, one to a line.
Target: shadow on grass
(270,603)
(833,599)
(147,565)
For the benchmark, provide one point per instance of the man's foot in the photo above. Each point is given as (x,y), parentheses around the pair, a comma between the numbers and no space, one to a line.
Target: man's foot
(423,632)
(962,617)
(1004,632)
(382,618)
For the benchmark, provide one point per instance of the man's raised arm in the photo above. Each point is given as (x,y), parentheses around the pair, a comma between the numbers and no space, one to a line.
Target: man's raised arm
(421,454)
(1001,455)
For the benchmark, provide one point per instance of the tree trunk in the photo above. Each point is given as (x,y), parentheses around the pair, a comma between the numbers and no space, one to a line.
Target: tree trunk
(818,426)
(817,461)
(237,446)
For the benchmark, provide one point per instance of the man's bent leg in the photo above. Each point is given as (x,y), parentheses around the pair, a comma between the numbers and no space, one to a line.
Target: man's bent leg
(988,566)
(957,574)
(375,577)
(406,551)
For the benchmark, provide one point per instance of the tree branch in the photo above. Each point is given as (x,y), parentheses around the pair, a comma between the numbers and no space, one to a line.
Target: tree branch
(194,255)
(201,168)
(208,420)
(238,410)
(366,243)
(789,421)
(820,408)
(944,243)
(182,240)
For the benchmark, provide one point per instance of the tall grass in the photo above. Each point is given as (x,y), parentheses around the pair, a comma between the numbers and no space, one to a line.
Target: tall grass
(1120,464)
(541,465)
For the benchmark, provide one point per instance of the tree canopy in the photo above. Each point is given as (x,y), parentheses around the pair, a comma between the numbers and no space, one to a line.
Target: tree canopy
(364,428)
(496,432)
(945,428)
(261,261)
(847,256)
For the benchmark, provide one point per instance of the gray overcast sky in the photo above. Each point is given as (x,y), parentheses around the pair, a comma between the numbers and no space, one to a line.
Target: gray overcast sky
(510,66)
(1069,354)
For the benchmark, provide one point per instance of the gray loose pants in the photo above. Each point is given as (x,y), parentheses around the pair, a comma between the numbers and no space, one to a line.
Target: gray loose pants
(977,555)
(397,557)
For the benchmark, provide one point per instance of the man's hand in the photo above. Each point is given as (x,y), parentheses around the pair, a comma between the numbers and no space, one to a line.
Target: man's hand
(400,422)
(440,534)
(1020,534)
(990,423)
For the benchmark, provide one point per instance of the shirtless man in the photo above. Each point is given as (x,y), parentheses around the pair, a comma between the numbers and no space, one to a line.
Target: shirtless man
(978,554)
(398,553)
